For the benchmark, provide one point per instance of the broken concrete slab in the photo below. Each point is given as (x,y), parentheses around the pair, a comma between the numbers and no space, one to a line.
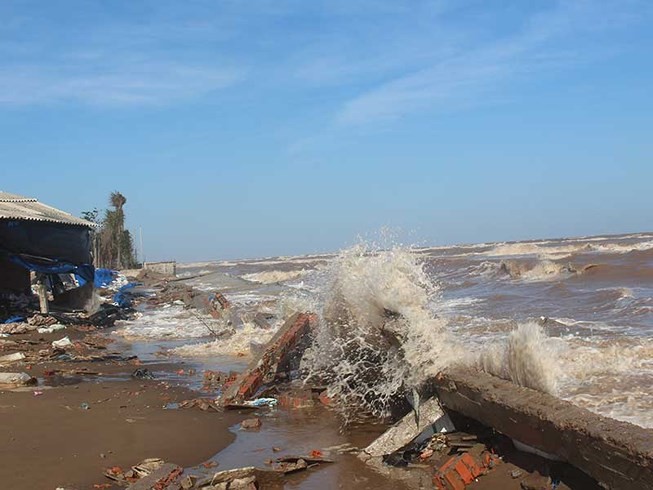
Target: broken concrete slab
(280,355)
(158,478)
(265,478)
(617,454)
(16,356)
(408,428)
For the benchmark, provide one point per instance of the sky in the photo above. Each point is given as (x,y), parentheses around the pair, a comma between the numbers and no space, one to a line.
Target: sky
(279,127)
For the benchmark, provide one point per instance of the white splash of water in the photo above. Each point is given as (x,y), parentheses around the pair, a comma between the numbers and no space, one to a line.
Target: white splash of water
(240,343)
(378,339)
(274,276)
(528,358)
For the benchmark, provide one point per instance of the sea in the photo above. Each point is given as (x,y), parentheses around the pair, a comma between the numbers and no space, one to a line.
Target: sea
(570,316)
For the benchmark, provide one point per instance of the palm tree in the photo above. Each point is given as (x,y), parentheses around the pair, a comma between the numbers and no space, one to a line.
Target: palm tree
(117,200)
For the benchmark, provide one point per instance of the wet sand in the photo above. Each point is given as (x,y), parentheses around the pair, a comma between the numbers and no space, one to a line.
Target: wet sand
(50,441)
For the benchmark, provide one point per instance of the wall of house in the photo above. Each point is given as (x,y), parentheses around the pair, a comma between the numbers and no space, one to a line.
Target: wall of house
(13,278)
(165,268)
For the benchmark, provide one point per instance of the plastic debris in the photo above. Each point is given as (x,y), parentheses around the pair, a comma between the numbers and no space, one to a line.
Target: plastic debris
(62,343)
(16,356)
(85,406)
(142,373)
(258,402)
(51,329)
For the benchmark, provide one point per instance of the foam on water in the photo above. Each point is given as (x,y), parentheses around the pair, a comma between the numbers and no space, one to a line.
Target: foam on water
(240,343)
(167,322)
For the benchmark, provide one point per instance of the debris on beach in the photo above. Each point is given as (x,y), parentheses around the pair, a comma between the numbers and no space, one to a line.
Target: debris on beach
(251,424)
(204,404)
(9,380)
(279,359)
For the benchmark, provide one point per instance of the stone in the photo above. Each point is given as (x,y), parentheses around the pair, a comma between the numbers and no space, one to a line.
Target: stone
(251,424)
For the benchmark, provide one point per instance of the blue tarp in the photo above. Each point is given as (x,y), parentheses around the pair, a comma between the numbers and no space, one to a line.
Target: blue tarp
(104,277)
(15,319)
(123,297)
(48,266)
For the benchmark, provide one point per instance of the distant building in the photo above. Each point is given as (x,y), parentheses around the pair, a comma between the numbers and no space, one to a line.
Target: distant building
(38,238)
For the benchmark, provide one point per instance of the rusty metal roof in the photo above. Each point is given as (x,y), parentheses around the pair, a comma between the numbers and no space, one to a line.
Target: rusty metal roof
(15,207)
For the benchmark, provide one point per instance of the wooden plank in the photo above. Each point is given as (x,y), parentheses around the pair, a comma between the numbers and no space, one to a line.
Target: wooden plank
(617,454)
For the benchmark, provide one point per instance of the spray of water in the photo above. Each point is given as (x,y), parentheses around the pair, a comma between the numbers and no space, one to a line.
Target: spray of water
(378,340)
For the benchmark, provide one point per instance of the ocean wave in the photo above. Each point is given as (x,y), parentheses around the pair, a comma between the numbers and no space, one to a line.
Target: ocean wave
(168,322)
(378,338)
(241,343)
(540,271)
(274,276)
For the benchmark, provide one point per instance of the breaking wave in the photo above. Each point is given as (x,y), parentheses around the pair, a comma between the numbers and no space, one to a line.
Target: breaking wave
(239,343)
(378,341)
(528,358)
(274,276)
(540,271)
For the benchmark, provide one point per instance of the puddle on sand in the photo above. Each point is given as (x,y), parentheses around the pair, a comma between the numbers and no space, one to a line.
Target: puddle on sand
(298,432)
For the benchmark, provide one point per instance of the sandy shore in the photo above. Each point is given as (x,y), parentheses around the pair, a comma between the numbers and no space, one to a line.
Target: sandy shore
(50,441)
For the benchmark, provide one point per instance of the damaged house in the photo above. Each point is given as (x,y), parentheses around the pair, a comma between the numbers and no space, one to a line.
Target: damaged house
(45,250)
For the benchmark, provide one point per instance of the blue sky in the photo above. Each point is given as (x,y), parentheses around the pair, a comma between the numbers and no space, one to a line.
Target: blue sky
(259,128)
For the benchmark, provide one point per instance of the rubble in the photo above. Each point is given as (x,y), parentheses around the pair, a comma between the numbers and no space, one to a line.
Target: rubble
(408,428)
(459,471)
(203,404)
(251,424)
(617,454)
(281,355)
(16,356)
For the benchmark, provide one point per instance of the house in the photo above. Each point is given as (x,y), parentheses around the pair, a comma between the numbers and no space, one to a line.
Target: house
(48,242)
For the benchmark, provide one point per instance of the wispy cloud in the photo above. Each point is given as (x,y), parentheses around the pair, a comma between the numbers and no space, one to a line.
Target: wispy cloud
(147,83)
(112,61)
(472,73)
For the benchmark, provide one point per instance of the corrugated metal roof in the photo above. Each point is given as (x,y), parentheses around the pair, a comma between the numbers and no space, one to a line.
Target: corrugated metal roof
(13,206)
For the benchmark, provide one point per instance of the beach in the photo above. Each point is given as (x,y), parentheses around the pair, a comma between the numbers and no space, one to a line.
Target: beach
(576,313)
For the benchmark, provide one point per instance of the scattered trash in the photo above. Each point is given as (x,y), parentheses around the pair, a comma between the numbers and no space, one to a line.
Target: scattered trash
(16,356)
(516,473)
(241,479)
(85,406)
(17,379)
(51,329)
(38,393)
(16,328)
(201,403)
(292,464)
(62,343)
(142,373)
(15,319)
